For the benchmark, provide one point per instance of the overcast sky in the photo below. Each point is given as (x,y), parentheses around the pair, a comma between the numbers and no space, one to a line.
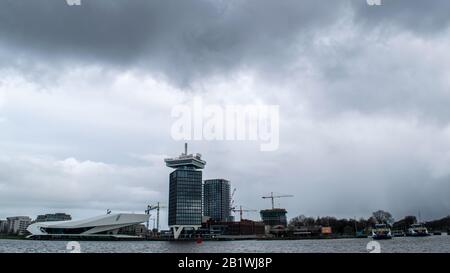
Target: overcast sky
(86,94)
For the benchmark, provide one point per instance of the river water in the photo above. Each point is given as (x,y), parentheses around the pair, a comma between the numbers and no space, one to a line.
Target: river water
(431,244)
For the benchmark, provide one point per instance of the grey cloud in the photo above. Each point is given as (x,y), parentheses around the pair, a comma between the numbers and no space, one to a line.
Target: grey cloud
(45,183)
(421,17)
(188,40)
(182,40)
(299,55)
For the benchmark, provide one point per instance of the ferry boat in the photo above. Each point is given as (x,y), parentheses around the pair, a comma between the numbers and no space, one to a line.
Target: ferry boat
(381,232)
(417,230)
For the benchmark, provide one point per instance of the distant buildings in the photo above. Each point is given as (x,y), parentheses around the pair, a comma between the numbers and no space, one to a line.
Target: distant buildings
(53,217)
(217,199)
(134,230)
(243,227)
(185,192)
(18,225)
(3,226)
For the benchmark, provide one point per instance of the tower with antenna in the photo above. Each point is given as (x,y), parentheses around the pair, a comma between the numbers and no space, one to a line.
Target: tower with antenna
(185,192)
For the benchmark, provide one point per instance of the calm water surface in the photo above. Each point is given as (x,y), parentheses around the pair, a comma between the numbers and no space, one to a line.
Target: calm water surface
(431,244)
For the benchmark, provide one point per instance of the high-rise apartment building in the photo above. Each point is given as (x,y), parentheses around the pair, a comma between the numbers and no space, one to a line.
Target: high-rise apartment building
(217,199)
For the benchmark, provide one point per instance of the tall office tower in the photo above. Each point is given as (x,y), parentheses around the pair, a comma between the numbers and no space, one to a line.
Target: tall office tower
(185,192)
(216,199)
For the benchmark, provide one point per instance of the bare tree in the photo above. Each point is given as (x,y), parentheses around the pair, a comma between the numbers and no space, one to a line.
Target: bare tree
(383,217)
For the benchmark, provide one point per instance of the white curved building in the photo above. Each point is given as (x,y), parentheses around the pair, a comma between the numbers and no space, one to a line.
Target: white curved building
(106,225)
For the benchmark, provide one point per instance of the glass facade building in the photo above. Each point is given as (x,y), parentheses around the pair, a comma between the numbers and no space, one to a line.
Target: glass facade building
(217,199)
(185,197)
(53,217)
(185,190)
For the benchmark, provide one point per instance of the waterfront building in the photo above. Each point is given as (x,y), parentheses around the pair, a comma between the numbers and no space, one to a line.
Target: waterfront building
(53,217)
(274,217)
(17,225)
(243,227)
(217,199)
(109,225)
(185,192)
(3,226)
(134,230)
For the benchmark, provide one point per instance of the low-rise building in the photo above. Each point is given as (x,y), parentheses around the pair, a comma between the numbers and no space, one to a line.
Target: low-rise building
(134,230)
(18,225)
(243,227)
(53,217)
(3,226)
(103,226)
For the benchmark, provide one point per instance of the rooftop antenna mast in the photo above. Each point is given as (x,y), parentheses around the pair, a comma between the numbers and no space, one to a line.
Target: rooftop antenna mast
(185,148)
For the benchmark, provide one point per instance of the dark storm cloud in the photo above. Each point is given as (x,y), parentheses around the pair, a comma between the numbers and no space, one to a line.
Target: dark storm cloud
(423,17)
(374,72)
(179,39)
(186,40)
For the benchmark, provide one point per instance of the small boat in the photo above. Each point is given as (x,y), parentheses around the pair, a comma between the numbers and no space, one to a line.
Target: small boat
(381,232)
(199,240)
(437,232)
(417,230)
(361,234)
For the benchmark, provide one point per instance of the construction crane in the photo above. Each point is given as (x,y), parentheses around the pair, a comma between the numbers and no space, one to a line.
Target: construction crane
(241,211)
(149,209)
(276,196)
(232,200)
(153,219)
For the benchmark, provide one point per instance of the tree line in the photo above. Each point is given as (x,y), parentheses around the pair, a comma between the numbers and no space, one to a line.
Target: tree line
(350,226)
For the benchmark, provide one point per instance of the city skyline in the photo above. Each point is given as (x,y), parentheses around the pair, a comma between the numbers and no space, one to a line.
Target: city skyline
(85,109)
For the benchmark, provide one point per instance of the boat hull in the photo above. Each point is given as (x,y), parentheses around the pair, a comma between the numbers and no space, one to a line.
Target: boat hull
(418,235)
(381,237)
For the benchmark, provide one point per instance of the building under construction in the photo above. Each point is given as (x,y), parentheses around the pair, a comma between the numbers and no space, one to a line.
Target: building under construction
(274,217)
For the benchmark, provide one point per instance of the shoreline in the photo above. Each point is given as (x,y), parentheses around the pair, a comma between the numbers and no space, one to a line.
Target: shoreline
(244,238)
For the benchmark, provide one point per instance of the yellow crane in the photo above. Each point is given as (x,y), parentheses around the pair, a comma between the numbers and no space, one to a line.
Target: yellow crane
(149,209)
(241,211)
(271,196)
